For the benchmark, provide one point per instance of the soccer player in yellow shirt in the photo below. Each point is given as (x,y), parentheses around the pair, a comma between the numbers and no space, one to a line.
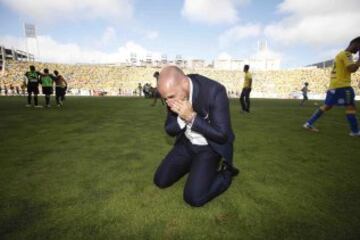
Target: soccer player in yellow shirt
(245,94)
(340,91)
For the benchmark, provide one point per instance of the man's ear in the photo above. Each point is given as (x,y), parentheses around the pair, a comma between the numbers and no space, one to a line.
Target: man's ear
(184,84)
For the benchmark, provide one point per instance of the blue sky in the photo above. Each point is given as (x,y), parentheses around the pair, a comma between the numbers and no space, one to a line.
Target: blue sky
(84,30)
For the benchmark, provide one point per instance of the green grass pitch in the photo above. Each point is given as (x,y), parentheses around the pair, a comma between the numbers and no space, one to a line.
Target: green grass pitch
(86,172)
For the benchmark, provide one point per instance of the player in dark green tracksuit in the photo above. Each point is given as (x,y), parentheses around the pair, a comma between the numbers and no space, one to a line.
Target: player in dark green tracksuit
(32,84)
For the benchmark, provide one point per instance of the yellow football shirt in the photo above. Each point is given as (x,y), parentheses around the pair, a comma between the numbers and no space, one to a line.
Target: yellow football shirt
(247,80)
(340,75)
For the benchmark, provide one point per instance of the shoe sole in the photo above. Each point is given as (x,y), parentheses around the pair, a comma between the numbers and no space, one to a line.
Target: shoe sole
(311,129)
(355,135)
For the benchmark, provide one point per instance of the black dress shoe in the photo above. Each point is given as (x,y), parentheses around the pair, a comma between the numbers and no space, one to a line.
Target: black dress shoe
(234,171)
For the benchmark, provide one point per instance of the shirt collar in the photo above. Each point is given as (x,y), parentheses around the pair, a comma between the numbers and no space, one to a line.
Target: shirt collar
(190,90)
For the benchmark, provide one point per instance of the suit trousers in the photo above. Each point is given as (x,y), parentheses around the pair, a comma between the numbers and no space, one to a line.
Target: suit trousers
(205,180)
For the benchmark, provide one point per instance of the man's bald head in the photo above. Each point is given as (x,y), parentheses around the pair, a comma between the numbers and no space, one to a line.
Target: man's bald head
(172,80)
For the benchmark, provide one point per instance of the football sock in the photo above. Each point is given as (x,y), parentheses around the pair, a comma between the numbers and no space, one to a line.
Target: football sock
(351,117)
(317,114)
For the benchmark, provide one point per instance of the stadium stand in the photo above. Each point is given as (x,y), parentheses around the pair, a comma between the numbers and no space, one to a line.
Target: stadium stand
(123,80)
(324,64)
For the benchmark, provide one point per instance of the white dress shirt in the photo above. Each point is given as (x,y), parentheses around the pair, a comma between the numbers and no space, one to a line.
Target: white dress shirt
(194,137)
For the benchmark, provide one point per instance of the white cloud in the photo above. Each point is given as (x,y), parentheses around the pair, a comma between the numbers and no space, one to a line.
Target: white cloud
(152,35)
(318,7)
(239,32)
(267,54)
(319,23)
(45,10)
(327,54)
(53,51)
(212,11)
(108,36)
(141,53)
(146,33)
(13,42)
(224,56)
(259,54)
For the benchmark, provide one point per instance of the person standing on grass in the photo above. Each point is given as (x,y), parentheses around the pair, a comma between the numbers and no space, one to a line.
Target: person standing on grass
(12,90)
(46,81)
(60,88)
(32,80)
(17,90)
(23,87)
(245,94)
(305,91)
(156,93)
(340,91)
(198,116)
(140,89)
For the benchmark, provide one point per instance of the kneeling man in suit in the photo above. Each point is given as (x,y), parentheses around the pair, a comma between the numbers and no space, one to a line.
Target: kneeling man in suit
(198,116)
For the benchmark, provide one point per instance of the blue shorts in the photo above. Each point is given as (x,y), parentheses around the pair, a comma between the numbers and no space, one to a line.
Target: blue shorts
(340,97)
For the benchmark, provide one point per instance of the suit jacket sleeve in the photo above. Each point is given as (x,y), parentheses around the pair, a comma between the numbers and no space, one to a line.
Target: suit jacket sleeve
(171,125)
(217,129)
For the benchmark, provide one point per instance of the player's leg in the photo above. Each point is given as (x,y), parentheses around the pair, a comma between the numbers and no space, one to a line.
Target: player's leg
(62,96)
(317,114)
(247,99)
(36,100)
(63,93)
(36,92)
(57,95)
(47,100)
(303,100)
(48,96)
(29,97)
(242,102)
(155,100)
(330,101)
(47,91)
(159,96)
(352,120)
(351,111)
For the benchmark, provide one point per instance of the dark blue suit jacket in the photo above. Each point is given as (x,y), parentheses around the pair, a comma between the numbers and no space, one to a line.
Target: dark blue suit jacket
(211,104)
